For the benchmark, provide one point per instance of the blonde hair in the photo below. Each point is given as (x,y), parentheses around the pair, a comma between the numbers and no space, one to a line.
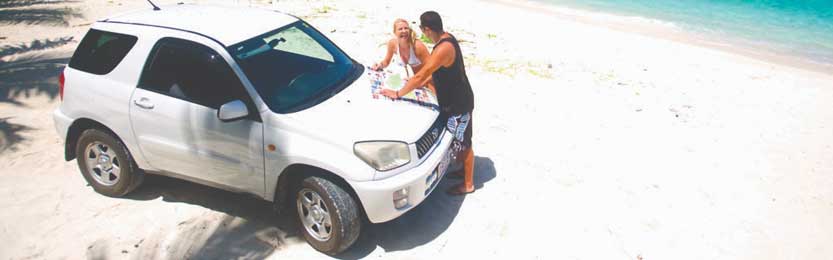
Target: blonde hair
(413,34)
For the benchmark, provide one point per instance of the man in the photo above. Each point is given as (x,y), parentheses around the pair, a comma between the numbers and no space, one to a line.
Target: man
(456,99)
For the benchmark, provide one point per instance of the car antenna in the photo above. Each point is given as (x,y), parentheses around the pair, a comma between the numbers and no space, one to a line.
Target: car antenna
(155,8)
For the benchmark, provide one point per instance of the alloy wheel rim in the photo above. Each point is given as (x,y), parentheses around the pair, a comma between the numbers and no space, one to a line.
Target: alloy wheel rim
(314,214)
(102,163)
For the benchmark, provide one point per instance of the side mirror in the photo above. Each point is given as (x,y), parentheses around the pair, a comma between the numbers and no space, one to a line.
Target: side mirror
(232,111)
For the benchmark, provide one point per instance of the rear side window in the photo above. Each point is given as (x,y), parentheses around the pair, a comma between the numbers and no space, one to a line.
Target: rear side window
(192,72)
(100,51)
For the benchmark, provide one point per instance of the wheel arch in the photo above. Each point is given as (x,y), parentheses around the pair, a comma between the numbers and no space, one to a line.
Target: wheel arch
(294,174)
(74,133)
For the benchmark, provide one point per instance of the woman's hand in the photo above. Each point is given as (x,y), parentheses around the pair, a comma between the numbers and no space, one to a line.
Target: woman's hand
(389,93)
(376,67)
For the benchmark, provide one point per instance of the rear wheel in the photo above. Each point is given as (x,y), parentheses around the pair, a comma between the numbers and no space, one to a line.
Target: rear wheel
(106,164)
(328,216)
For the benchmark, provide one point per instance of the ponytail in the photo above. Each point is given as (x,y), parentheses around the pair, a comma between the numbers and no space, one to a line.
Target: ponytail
(413,38)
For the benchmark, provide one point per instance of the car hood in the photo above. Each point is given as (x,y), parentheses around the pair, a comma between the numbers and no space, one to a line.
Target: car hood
(358,114)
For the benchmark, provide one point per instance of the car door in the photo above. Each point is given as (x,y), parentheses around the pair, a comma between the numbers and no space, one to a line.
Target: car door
(174,115)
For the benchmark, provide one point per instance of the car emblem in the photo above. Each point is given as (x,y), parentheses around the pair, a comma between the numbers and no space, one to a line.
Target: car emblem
(434,134)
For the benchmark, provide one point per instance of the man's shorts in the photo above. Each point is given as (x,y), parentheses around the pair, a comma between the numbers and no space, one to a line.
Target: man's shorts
(460,127)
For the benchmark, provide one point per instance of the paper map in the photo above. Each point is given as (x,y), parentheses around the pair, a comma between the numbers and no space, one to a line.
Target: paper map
(390,80)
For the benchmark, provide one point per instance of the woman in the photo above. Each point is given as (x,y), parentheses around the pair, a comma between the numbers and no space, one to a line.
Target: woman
(408,50)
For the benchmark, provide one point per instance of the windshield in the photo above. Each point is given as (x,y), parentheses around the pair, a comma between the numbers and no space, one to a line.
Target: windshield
(293,67)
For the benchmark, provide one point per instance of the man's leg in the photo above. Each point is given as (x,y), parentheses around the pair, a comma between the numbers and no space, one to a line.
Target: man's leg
(463,133)
(468,154)
(468,167)
(456,170)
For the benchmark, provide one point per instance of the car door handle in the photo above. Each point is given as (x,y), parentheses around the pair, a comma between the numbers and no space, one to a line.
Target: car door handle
(143,103)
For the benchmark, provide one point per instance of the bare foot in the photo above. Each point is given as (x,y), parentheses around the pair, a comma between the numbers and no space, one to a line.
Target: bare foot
(459,189)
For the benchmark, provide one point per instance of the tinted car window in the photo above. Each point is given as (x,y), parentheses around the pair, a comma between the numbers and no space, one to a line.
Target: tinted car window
(193,72)
(100,51)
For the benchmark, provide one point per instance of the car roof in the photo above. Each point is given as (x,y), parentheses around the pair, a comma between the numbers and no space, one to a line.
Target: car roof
(226,24)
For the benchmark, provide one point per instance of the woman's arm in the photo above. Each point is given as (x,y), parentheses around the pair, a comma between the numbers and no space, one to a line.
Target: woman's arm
(443,55)
(384,63)
(422,54)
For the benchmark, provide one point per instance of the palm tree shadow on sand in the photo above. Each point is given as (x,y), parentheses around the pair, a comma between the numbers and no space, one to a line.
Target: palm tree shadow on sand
(29,76)
(25,3)
(22,78)
(35,45)
(37,13)
(10,134)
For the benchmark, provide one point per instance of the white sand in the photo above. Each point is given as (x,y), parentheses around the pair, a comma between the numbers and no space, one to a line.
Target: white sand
(636,143)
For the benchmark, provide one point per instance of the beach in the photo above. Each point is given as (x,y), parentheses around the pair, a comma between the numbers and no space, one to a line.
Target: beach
(597,137)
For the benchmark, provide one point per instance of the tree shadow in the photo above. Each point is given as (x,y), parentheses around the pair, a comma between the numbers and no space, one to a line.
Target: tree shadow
(36,45)
(39,16)
(424,223)
(10,134)
(29,76)
(23,3)
(250,228)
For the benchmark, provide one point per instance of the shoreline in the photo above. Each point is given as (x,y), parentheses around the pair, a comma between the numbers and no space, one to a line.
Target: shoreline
(664,30)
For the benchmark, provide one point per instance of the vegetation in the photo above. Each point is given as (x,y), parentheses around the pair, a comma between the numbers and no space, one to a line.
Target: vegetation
(425,39)
(325,9)
(510,68)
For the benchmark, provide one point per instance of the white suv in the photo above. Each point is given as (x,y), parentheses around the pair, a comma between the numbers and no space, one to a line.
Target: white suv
(247,100)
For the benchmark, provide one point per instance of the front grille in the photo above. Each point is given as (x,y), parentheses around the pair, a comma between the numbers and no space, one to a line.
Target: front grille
(430,137)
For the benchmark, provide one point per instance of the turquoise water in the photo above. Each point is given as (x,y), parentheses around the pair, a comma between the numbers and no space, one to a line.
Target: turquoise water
(798,27)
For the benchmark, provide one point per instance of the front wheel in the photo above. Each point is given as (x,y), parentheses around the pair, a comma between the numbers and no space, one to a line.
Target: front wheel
(328,215)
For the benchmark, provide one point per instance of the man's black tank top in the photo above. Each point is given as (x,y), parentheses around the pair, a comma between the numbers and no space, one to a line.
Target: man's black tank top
(453,89)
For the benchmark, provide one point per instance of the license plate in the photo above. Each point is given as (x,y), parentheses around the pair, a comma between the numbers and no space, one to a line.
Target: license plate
(443,165)
(434,178)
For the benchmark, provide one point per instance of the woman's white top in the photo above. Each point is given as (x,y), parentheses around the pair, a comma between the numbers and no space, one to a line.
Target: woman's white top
(412,59)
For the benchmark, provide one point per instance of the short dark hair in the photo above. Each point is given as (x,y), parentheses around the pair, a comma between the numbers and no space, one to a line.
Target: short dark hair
(431,20)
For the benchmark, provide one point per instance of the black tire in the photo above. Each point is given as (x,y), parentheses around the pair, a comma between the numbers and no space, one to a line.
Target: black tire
(342,210)
(129,175)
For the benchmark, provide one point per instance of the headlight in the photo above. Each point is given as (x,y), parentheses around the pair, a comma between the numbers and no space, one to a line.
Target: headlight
(382,155)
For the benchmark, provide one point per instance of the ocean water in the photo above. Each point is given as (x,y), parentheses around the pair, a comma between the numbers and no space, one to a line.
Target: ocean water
(802,28)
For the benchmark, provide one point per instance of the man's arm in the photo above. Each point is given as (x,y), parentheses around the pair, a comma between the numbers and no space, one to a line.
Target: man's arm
(442,55)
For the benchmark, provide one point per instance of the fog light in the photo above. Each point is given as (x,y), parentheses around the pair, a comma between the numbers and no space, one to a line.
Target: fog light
(400,198)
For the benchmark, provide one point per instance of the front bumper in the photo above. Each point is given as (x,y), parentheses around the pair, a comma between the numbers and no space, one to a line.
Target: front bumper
(420,181)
